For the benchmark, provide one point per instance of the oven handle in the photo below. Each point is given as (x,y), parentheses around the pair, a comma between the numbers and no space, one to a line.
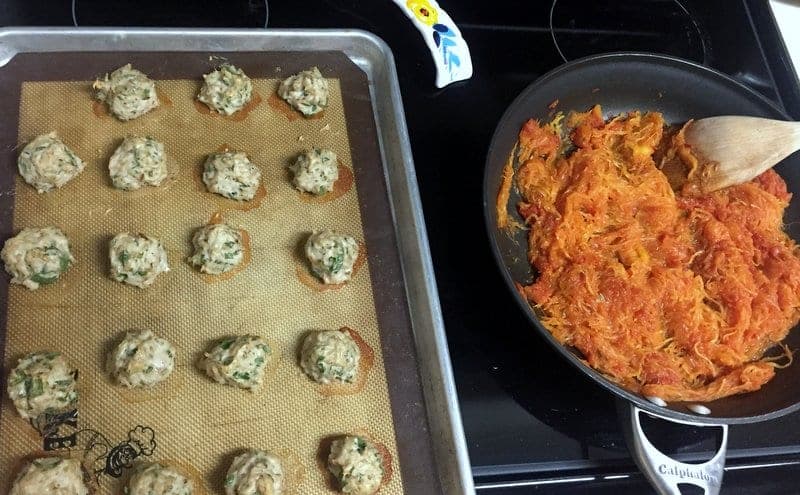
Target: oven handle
(665,473)
(448,48)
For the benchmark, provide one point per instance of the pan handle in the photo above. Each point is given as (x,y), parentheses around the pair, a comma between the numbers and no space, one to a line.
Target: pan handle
(665,473)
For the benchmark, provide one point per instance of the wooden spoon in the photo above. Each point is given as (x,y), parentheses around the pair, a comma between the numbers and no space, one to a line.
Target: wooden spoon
(736,149)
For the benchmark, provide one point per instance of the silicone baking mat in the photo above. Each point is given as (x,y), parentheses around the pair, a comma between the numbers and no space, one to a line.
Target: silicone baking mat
(189,420)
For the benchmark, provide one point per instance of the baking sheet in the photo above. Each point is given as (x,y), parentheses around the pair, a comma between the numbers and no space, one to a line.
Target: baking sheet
(195,421)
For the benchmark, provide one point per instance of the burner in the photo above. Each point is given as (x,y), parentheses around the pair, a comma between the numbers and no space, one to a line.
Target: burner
(660,26)
(161,13)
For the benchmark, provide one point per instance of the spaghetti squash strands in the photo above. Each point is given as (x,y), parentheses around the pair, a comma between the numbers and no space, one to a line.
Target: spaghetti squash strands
(672,295)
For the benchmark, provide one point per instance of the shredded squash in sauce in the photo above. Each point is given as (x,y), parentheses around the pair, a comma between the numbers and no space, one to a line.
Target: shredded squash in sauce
(672,295)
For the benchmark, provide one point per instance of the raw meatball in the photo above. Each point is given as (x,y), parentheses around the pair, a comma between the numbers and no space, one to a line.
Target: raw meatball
(255,473)
(329,356)
(238,361)
(307,91)
(51,476)
(357,464)
(42,382)
(36,256)
(128,93)
(315,171)
(157,479)
(142,359)
(46,163)
(218,248)
(226,90)
(136,162)
(231,174)
(137,259)
(332,256)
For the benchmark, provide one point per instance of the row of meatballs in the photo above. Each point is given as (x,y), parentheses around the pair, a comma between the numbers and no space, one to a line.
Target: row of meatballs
(46,163)
(45,381)
(39,256)
(226,90)
(355,461)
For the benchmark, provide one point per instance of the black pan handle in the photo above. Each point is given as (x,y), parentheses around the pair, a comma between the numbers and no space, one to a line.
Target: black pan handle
(665,473)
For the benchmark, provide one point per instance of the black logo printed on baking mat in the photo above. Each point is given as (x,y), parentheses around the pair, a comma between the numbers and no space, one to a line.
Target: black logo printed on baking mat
(100,456)
(112,460)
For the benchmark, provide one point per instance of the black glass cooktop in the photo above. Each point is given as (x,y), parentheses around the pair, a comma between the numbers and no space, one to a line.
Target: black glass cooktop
(533,423)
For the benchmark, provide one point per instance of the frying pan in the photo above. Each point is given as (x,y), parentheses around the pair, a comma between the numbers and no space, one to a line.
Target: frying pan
(681,90)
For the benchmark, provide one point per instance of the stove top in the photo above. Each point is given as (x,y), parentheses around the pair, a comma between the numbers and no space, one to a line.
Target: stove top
(580,29)
(533,423)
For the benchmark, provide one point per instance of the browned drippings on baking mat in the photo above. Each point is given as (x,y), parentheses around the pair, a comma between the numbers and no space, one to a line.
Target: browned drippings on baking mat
(189,419)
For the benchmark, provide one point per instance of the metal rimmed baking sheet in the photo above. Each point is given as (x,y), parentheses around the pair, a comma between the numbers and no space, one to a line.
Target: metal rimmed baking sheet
(413,326)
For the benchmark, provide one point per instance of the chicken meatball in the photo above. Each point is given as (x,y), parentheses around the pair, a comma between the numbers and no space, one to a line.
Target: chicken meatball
(43,382)
(238,361)
(218,248)
(255,473)
(36,256)
(230,174)
(158,479)
(332,256)
(306,91)
(226,90)
(142,359)
(357,464)
(128,93)
(315,171)
(47,163)
(137,259)
(51,476)
(138,161)
(330,356)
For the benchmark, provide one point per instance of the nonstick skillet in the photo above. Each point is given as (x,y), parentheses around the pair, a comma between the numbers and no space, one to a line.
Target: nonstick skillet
(681,90)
